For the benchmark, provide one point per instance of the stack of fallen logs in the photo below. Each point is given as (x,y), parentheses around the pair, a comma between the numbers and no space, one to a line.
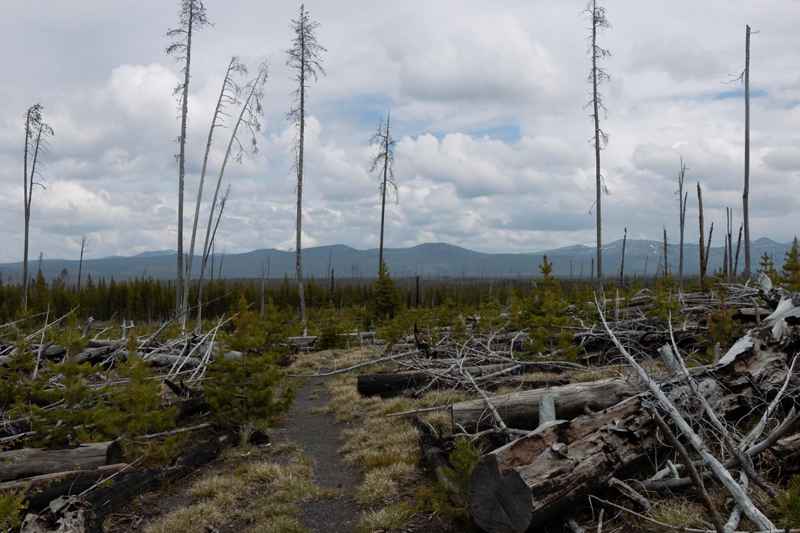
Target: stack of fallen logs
(73,489)
(560,447)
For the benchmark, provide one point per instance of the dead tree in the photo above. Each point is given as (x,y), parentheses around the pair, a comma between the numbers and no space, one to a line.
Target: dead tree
(622,259)
(250,118)
(746,192)
(682,200)
(228,96)
(305,58)
(596,76)
(738,247)
(701,249)
(192,17)
(80,263)
(36,133)
(666,256)
(384,159)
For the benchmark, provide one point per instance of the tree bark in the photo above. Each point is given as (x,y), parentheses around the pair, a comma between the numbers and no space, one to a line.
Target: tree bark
(537,477)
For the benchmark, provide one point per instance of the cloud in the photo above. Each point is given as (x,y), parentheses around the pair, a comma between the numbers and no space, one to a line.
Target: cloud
(487,103)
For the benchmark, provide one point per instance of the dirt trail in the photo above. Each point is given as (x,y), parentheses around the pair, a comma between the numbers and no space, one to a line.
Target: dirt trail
(319,435)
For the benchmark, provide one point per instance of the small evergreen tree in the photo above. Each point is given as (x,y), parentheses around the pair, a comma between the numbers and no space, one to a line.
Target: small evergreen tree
(545,316)
(767,266)
(386,299)
(791,267)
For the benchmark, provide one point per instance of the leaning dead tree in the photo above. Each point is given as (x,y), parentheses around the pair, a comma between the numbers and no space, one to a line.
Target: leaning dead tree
(746,192)
(384,159)
(596,76)
(192,17)
(36,133)
(248,122)
(305,59)
(682,200)
(228,96)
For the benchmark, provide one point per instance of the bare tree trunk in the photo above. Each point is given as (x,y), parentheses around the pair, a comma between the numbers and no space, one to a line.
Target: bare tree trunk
(214,123)
(708,246)
(383,192)
(80,263)
(182,156)
(598,177)
(300,148)
(682,200)
(666,257)
(26,215)
(622,259)
(701,249)
(746,193)
(738,247)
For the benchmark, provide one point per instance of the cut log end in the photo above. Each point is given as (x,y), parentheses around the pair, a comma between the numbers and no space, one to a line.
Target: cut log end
(499,503)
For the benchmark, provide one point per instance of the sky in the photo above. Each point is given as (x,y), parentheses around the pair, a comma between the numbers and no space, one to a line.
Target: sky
(488,108)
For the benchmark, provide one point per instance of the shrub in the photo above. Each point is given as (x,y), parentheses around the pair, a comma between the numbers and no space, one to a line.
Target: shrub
(12,504)
(246,390)
(449,496)
(788,504)
(386,299)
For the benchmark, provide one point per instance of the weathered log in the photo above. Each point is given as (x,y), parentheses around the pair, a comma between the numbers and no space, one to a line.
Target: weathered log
(161,359)
(388,385)
(29,462)
(535,478)
(36,482)
(98,354)
(520,410)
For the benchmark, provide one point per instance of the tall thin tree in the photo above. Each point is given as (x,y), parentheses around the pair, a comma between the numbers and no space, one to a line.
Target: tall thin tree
(80,263)
(622,259)
(683,198)
(598,75)
(37,132)
(305,59)
(746,192)
(384,160)
(191,18)
(249,120)
(228,96)
(702,249)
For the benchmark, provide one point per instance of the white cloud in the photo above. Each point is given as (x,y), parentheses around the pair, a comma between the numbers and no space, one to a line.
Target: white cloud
(487,102)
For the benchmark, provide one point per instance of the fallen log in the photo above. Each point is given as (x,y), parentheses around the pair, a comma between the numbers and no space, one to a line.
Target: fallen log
(388,385)
(543,474)
(520,410)
(36,482)
(29,462)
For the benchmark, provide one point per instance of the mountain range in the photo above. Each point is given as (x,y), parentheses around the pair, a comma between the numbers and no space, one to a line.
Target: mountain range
(642,257)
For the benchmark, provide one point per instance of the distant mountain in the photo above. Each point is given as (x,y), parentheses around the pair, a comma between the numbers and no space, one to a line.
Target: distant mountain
(642,257)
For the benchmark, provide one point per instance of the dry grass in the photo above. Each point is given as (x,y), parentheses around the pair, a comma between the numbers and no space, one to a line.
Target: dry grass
(255,488)
(393,516)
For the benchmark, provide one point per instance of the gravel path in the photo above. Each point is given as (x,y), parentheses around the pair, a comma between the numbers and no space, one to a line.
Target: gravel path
(319,435)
